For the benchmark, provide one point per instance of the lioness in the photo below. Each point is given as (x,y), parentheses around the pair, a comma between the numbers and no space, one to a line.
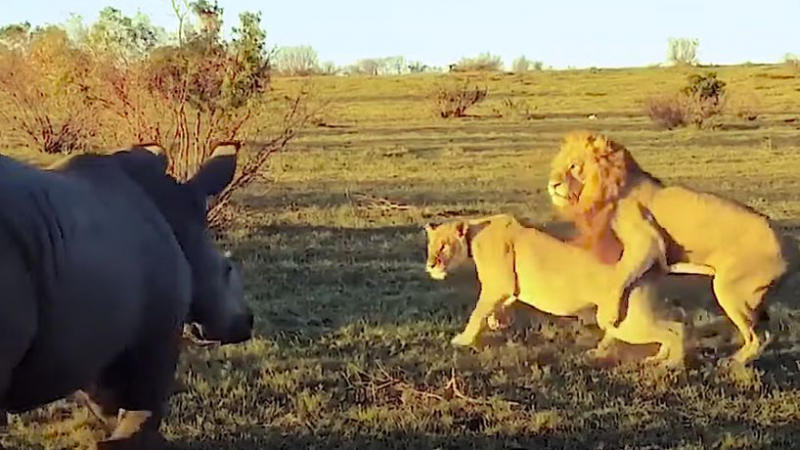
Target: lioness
(598,184)
(515,262)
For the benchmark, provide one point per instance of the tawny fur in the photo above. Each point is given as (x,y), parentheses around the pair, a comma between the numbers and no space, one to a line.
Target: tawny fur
(521,263)
(596,183)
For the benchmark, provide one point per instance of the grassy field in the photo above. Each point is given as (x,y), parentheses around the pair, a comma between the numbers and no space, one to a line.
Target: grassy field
(353,338)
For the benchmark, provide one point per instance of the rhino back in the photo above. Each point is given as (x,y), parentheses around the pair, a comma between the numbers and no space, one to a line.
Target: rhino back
(106,268)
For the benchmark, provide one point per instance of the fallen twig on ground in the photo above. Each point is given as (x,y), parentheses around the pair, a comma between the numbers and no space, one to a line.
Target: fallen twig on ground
(389,381)
(372,202)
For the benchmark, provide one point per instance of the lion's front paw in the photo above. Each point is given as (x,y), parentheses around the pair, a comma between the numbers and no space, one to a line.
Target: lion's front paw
(462,340)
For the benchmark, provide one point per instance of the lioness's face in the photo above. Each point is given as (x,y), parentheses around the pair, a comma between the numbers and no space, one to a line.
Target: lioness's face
(447,247)
(567,180)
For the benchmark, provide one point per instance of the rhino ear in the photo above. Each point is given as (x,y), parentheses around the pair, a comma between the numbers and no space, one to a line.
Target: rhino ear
(218,170)
(61,163)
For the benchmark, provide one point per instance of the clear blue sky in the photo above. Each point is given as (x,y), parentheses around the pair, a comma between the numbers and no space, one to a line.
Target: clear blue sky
(561,33)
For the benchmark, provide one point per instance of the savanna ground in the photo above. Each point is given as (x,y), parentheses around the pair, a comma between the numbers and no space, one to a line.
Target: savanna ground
(352,349)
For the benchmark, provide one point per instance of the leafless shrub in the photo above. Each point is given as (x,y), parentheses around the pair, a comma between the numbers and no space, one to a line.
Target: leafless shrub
(516,108)
(453,100)
(666,111)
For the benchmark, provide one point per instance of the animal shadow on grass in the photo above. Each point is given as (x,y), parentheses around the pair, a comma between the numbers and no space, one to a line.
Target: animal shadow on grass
(668,429)
(294,196)
(460,439)
(315,279)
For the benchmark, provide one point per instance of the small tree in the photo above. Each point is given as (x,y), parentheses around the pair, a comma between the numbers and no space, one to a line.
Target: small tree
(300,60)
(368,66)
(45,90)
(521,65)
(394,65)
(328,68)
(485,62)
(682,51)
(418,67)
(705,95)
(191,95)
(792,61)
(16,36)
(117,37)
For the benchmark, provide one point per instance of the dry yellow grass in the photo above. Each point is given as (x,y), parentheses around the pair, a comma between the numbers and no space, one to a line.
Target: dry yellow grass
(352,349)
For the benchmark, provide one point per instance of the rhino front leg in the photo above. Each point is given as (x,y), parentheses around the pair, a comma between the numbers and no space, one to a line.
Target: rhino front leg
(143,381)
(18,319)
(101,403)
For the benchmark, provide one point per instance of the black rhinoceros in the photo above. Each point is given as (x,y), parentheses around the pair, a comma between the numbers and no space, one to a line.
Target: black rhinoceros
(103,260)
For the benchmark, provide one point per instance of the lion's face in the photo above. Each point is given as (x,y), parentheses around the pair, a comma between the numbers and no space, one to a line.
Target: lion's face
(447,247)
(567,180)
(569,177)
(587,169)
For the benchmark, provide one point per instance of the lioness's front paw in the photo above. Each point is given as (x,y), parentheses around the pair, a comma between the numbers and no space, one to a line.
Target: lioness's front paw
(606,322)
(598,353)
(461,340)
(499,320)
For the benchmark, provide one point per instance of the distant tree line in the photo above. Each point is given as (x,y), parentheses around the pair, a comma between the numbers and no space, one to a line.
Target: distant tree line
(303,61)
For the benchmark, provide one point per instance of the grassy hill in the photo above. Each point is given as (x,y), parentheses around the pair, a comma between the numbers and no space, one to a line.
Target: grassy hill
(353,337)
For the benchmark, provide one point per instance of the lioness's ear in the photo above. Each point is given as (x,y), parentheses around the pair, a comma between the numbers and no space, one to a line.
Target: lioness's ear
(430,226)
(218,170)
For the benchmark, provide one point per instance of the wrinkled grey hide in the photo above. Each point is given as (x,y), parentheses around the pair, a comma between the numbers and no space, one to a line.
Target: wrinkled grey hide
(102,261)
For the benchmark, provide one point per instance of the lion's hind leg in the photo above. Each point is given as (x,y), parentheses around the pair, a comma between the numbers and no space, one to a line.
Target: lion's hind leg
(741,299)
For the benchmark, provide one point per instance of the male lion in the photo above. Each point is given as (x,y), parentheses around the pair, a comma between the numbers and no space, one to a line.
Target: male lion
(515,262)
(597,183)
